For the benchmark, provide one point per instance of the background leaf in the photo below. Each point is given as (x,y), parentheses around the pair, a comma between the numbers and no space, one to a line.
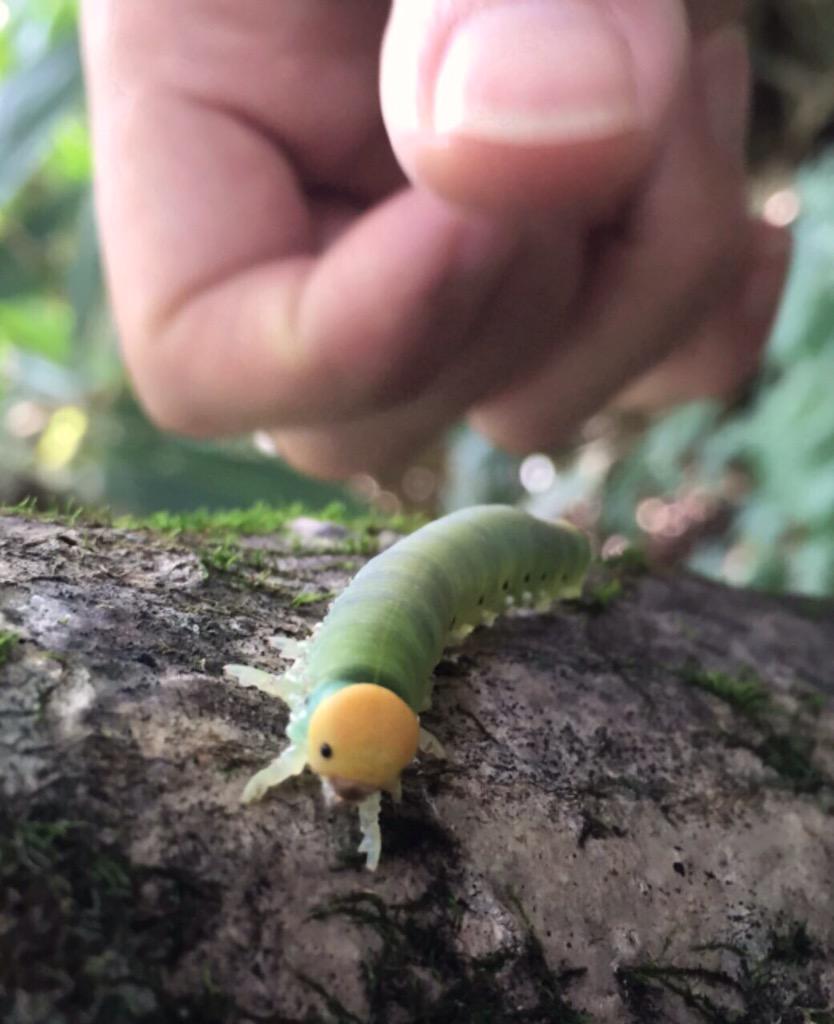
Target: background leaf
(33,101)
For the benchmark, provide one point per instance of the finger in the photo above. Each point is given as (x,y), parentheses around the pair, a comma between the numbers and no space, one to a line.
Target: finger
(379,444)
(684,251)
(305,340)
(721,358)
(726,352)
(511,104)
(510,336)
(706,16)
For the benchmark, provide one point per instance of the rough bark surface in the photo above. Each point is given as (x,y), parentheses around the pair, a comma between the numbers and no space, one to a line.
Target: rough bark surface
(635,821)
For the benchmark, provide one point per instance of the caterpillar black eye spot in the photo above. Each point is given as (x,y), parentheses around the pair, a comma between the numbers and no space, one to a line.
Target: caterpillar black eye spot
(505,585)
(481,599)
(527,577)
(326,750)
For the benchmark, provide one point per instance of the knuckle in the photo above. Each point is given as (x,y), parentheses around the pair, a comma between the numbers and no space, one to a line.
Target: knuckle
(711,234)
(164,397)
(315,456)
(712,249)
(517,433)
(170,415)
(168,376)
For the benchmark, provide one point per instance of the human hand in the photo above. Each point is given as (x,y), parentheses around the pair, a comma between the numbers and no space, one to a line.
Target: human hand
(576,230)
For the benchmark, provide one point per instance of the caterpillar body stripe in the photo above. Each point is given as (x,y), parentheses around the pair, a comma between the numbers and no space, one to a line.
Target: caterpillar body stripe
(359,684)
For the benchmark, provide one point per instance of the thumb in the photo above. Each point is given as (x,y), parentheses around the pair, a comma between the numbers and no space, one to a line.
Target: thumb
(513,104)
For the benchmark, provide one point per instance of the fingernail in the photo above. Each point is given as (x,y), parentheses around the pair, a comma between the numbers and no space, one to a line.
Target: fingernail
(725,73)
(536,72)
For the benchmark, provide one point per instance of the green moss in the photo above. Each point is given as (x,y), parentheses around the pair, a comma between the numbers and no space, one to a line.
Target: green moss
(90,937)
(640,987)
(24,509)
(220,557)
(8,639)
(781,987)
(793,945)
(814,703)
(260,519)
(595,828)
(216,536)
(414,970)
(633,561)
(790,756)
(609,579)
(744,692)
(69,513)
(600,594)
(785,743)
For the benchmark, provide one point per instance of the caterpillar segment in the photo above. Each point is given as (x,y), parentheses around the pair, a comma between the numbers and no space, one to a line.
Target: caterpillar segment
(358,685)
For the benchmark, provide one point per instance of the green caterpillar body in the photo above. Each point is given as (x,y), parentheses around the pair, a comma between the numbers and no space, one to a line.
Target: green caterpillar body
(392,623)
(359,684)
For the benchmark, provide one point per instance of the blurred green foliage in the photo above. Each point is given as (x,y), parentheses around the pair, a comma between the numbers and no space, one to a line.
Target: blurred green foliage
(771,459)
(763,471)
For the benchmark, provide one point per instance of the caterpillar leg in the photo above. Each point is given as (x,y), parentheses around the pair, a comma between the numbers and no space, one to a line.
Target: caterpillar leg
(371,844)
(430,744)
(460,633)
(286,687)
(288,763)
(426,704)
(288,646)
(266,682)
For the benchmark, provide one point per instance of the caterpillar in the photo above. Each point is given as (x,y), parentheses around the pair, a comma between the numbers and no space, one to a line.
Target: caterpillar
(358,685)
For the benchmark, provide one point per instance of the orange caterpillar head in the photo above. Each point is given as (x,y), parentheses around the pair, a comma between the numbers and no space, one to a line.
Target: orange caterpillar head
(360,739)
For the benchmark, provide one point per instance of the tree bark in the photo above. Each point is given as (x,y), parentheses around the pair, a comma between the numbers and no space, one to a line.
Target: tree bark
(635,821)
